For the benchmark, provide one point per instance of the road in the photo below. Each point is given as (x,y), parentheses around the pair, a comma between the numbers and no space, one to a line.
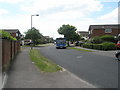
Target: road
(99,70)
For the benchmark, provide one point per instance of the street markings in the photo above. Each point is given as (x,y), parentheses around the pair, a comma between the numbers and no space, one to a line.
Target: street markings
(79,57)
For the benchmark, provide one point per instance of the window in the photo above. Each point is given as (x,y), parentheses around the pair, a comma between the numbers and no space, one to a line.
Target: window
(108,30)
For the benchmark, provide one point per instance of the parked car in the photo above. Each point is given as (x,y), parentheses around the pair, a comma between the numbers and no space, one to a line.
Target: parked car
(118,44)
(118,55)
(79,43)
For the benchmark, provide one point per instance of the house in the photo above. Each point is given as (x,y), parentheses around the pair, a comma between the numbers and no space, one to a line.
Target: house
(100,30)
(14,32)
(48,39)
(84,34)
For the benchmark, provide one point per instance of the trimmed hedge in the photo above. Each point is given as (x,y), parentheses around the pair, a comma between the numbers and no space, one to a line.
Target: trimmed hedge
(103,46)
(109,46)
(6,35)
(88,45)
(97,40)
(98,46)
(107,38)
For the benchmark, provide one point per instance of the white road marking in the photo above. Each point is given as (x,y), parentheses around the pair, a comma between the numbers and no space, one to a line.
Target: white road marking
(79,57)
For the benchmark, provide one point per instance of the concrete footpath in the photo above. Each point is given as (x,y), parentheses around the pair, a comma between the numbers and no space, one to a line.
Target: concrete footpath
(24,74)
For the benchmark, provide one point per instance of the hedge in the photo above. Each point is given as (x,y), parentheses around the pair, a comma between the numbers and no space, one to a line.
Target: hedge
(6,35)
(103,46)
(88,45)
(98,46)
(109,46)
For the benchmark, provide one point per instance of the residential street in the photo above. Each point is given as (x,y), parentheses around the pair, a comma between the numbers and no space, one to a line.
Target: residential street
(99,69)
(25,74)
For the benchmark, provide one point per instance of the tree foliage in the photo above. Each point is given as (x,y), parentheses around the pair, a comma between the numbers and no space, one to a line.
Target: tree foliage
(69,32)
(33,34)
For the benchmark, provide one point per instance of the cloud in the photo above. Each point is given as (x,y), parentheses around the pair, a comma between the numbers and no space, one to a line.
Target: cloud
(110,0)
(3,11)
(111,17)
(11,1)
(55,13)
(42,5)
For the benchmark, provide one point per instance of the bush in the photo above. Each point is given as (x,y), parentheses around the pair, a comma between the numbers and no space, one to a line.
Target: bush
(98,46)
(109,46)
(103,46)
(107,38)
(6,35)
(97,40)
(88,45)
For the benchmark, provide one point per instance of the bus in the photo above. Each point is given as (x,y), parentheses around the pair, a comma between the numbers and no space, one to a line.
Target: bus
(60,43)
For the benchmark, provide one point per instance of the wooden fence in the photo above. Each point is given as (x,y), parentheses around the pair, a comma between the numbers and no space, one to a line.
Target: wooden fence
(9,50)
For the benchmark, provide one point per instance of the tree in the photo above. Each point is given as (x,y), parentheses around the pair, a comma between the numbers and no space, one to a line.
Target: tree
(69,32)
(33,34)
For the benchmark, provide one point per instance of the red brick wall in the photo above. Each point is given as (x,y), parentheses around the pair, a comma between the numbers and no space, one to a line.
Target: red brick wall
(101,32)
(9,50)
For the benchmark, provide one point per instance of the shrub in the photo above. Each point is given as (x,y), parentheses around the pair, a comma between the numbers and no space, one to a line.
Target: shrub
(98,46)
(97,40)
(88,45)
(107,38)
(6,35)
(108,46)
(103,46)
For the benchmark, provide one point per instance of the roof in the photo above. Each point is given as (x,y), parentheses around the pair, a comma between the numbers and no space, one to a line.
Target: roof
(12,30)
(113,26)
(82,31)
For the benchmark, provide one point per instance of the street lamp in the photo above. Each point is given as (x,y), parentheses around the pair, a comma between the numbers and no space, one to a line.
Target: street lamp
(31,24)
(31,19)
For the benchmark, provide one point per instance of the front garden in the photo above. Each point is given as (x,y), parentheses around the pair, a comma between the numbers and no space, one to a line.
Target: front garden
(106,42)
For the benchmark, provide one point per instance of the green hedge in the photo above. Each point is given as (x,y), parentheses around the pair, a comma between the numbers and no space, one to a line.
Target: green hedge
(103,46)
(109,46)
(6,35)
(98,46)
(88,45)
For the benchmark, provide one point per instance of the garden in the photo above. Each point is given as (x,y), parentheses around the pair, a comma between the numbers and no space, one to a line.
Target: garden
(105,42)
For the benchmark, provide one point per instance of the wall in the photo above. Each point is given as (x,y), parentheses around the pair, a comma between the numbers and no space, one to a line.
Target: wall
(9,50)
(101,32)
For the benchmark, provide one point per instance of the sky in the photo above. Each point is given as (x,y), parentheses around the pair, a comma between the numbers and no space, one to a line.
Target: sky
(16,14)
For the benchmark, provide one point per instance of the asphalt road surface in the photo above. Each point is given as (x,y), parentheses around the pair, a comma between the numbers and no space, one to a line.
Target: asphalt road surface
(99,70)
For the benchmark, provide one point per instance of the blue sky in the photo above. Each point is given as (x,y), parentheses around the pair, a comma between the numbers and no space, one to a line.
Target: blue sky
(15,14)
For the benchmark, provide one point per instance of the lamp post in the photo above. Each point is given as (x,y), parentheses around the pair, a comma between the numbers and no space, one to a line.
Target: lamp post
(31,24)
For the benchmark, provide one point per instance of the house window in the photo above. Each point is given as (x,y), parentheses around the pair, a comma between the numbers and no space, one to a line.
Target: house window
(108,30)
(17,35)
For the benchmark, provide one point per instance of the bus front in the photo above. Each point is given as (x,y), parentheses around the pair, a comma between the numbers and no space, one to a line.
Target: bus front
(60,43)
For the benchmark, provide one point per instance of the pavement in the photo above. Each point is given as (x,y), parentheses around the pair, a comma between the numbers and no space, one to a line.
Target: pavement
(110,53)
(24,74)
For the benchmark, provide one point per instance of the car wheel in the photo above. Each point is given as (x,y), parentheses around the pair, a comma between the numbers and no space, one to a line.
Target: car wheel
(119,57)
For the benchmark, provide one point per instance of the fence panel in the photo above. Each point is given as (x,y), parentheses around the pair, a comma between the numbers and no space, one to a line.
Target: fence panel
(9,50)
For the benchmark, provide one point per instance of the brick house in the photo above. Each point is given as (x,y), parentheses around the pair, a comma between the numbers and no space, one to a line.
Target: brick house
(84,34)
(99,30)
(14,32)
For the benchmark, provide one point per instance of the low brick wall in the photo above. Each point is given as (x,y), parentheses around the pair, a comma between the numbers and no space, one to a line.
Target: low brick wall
(9,50)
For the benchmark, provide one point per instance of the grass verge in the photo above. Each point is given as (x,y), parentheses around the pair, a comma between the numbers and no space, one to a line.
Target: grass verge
(44,45)
(78,49)
(43,63)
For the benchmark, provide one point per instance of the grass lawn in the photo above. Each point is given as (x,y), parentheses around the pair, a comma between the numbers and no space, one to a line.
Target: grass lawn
(78,49)
(43,63)
(45,45)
